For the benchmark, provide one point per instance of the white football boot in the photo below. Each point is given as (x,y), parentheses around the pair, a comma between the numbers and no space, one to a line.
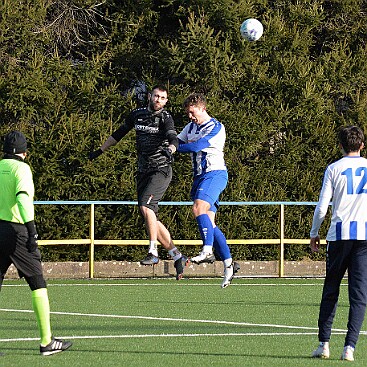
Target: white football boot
(347,354)
(322,351)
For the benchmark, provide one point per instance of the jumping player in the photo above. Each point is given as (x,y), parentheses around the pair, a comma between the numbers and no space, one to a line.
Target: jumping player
(345,182)
(204,137)
(156,142)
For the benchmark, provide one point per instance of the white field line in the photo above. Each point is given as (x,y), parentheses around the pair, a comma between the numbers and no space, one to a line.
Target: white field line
(221,322)
(181,284)
(131,336)
(335,331)
(292,327)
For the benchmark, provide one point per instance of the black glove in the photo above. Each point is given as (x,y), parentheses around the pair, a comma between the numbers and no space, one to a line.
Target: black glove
(167,152)
(32,243)
(95,154)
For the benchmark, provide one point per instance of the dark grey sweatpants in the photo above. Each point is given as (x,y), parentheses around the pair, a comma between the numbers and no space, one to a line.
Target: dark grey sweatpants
(344,256)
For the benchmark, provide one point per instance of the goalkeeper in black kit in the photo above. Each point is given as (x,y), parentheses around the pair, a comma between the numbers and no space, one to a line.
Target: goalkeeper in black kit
(18,235)
(156,142)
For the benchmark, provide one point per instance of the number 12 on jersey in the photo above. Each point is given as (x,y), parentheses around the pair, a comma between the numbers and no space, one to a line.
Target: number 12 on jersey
(359,172)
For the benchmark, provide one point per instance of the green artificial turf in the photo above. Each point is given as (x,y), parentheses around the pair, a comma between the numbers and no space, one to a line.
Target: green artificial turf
(161,322)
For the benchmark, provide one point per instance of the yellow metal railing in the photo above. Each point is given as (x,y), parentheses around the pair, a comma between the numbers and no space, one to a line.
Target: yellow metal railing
(92,242)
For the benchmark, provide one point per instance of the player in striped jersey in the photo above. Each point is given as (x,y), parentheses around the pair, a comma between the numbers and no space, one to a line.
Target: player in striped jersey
(345,183)
(204,137)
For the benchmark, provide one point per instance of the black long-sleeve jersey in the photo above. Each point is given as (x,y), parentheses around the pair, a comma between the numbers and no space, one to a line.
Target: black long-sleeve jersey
(155,130)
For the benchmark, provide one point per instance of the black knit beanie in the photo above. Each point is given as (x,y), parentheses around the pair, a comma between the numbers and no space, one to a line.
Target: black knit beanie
(15,142)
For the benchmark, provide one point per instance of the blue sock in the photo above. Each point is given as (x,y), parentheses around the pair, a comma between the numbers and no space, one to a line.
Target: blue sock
(220,244)
(206,229)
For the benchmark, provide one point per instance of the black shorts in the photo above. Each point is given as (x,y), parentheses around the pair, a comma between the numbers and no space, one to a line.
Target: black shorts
(151,187)
(13,250)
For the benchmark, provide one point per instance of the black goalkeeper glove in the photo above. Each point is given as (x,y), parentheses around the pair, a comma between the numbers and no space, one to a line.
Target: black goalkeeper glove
(95,154)
(32,242)
(167,152)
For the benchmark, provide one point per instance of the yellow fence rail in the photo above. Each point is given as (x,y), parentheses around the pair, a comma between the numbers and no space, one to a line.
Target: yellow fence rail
(92,242)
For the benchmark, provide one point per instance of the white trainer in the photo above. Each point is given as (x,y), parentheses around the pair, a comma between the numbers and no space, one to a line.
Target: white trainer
(229,273)
(322,351)
(347,354)
(228,276)
(203,257)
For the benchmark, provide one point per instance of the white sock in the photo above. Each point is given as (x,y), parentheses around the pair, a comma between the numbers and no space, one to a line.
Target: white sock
(153,248)
(227,262)
(208,249)
(174,253)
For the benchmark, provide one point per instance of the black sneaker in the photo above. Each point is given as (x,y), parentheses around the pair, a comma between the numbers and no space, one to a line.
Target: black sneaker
(236,267)
(56,346)
(179,265)
(150,260)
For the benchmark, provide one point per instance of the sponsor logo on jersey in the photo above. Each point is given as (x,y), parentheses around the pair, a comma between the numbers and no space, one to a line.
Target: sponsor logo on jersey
(150,129)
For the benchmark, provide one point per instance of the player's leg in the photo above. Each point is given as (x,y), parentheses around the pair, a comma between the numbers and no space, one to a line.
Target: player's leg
(41,308)
(205,193)
(202,204)
(29,266)
(147,208)
(4,265)
(150,220)
(206,230)
(165,239)
(336,265)
(357,290)
(5,261)
(222,249)
(151,188)
(7,247)
(220,242)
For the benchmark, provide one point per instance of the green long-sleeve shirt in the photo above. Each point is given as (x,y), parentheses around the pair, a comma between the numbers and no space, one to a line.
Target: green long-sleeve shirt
(16,190)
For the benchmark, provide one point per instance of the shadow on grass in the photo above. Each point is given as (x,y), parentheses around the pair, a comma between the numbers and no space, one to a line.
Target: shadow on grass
(186,353)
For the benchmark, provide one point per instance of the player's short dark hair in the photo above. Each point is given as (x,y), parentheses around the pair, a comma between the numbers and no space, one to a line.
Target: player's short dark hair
(351,138)
(160,87)
(194,99)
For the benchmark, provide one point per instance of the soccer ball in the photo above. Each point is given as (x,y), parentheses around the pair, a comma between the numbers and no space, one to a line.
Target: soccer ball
(251,29)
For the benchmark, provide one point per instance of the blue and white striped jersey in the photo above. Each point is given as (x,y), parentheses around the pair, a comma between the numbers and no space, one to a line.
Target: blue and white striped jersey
(205,143)
(345,182)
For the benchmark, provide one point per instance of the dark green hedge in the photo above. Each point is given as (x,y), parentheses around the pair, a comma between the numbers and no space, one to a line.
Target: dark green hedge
(67,75)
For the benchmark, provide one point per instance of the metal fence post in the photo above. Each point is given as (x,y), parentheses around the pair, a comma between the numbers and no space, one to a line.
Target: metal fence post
(281,250)
(91,246)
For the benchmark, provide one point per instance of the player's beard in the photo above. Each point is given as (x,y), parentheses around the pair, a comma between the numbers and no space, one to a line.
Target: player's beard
(155,106)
